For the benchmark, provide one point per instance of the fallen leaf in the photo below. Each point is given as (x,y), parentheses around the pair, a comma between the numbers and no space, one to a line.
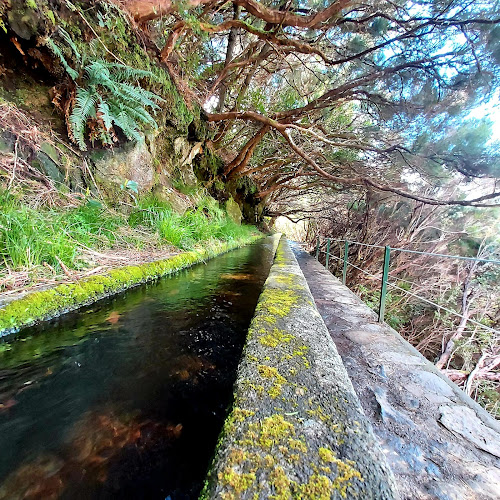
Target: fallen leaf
(113,317)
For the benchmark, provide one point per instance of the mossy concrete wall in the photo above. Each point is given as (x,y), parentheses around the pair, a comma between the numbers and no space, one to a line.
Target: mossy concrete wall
(296,429)
(47,304)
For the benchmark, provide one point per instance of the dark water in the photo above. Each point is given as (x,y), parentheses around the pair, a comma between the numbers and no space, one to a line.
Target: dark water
(126,399)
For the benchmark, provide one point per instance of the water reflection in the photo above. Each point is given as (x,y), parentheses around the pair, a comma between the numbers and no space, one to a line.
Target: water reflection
(127,398)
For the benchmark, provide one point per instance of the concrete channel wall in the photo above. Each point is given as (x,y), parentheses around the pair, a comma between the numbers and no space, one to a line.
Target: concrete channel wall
(43,305)
(297,429)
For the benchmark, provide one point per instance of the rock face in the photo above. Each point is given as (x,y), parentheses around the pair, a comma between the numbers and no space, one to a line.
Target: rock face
(45,41)
(439,443)
(133,162)
(297,429)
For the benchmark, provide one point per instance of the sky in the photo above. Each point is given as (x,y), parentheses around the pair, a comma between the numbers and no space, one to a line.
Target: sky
(492,111)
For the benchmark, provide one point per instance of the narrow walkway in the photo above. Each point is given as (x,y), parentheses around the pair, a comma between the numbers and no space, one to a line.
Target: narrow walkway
(439,443)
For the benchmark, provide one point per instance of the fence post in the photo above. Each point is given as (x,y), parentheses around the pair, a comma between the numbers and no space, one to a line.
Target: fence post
(317,249)
(383,290)
(327,253)
(346,257)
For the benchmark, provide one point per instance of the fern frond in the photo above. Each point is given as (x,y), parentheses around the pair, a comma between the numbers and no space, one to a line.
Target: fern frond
(122,72)
(139,95)
(97,73)
(67,38)
(128,125)
(58,53)
(105,114)
(83,109)
(108,96)
(139,114)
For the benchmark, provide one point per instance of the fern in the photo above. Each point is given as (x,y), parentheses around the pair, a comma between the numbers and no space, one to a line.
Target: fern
(67,38)
(109,93)
(105,114)
(113,101)
(128,125)
(141,115)
(84,108)
(123,72)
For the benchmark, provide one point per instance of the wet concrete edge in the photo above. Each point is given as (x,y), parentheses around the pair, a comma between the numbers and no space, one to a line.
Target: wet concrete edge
(47,304)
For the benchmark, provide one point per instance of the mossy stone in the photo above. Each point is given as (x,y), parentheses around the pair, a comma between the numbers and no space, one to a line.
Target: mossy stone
(50,151)
(233,210)
(50,168)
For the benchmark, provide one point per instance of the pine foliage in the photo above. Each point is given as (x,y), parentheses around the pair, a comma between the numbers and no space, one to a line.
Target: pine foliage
(107,95)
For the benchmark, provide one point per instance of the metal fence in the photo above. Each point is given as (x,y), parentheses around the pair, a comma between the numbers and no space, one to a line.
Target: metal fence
(344,258)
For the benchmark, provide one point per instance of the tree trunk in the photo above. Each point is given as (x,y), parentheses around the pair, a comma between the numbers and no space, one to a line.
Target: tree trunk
(231,44)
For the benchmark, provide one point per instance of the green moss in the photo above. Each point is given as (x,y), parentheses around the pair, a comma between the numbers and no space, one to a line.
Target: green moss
(318,487)
(301,351)
(239,414)
(326,455)
(345,471)
(289,279)
(274,447)
(267,318)
(269,372)
(318,412)
(237,456)
(277,303)
(272,430)
(278,379)
(238,482)
(275,338)
(297,444)
(280,483)
(249,385)
(280,257)
(274,391)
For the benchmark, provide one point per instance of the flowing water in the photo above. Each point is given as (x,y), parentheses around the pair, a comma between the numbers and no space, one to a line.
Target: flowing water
(126,398)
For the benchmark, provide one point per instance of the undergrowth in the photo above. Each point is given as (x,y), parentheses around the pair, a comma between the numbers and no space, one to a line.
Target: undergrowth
(107,95)
(31,237)
(206,221)
(58,237)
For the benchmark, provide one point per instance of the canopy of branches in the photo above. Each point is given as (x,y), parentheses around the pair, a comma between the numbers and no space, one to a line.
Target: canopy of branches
(373,95)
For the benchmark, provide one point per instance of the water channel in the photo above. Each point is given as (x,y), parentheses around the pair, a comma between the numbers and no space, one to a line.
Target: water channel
(126,398)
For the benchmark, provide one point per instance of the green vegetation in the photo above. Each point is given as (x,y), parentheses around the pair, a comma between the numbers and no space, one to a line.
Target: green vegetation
(111,101)
(31,237)
(207,221)
(105,98)
(58,239)
(49,303)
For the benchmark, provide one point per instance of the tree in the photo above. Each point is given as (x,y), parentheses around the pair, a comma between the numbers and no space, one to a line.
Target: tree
(349,95)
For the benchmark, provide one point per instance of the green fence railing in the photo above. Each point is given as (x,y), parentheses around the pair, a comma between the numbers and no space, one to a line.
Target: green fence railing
(344,258)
